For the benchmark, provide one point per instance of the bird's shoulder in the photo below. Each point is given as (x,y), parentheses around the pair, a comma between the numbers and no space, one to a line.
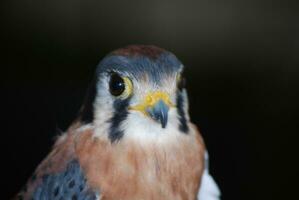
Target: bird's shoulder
(60,173)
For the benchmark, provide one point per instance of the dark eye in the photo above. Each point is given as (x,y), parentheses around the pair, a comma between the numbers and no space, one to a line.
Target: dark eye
(116,85)
(181,82)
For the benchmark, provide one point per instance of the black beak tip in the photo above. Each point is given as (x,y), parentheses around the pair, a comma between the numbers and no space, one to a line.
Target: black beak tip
(163,119)
(163,123)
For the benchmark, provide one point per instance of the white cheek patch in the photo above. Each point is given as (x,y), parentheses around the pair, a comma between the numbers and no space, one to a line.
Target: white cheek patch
(104,110)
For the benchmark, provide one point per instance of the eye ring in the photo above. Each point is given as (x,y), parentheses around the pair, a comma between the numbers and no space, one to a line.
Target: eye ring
(181,82)
(120,86)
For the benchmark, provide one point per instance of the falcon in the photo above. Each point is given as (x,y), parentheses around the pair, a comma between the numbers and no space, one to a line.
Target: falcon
(132,139)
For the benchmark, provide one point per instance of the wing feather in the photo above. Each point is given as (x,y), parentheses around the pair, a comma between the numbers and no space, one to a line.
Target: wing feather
(59,176)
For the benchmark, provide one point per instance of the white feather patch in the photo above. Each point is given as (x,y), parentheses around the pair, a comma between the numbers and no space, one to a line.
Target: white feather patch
(208,189)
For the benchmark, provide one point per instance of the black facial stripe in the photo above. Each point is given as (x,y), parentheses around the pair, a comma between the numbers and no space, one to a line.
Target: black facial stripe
(182,115)
(86,114)
(120,114)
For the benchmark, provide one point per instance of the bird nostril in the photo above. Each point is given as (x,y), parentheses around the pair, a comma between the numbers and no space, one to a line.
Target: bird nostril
(159,112)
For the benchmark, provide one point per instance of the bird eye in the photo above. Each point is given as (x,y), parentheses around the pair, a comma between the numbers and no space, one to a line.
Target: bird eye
(181,82)
(116,85)
(120,86)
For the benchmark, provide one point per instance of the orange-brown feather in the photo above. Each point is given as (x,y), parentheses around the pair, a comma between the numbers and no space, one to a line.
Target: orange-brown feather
(127,169)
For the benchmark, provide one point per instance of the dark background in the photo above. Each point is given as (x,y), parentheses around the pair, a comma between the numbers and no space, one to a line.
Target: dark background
(242,67)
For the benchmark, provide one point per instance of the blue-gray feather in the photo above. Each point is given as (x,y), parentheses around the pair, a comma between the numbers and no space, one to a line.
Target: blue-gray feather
(69,184)
(138,66)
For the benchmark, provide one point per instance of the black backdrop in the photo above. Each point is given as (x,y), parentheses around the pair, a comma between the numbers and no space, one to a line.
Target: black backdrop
(242,68)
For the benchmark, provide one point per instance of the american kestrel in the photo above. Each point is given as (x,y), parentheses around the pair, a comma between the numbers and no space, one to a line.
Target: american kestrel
(132,140)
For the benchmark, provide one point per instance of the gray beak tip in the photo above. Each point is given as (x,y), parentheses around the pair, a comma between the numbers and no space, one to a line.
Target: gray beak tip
(159,112)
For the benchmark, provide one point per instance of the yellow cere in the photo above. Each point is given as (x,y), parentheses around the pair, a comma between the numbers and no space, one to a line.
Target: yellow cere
(128,88)
(151,99)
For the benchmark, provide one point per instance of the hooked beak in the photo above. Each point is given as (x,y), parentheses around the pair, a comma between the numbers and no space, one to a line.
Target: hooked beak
(155,105)
(159,112)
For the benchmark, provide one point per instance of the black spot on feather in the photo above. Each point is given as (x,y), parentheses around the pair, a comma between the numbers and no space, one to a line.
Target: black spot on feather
(72,184)
(56,191)
(74,197)
(64,185)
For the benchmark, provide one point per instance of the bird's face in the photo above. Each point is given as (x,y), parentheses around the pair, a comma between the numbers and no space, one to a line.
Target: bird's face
(138,87)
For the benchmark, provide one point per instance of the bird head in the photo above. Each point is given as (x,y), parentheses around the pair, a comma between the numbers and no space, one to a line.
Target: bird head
(137,87)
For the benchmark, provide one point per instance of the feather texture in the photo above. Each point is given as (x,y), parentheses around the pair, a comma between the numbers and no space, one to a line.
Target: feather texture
(208,189)
(128,170)
(121,170)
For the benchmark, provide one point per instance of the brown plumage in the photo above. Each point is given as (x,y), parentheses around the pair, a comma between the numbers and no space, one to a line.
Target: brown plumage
(128,170)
